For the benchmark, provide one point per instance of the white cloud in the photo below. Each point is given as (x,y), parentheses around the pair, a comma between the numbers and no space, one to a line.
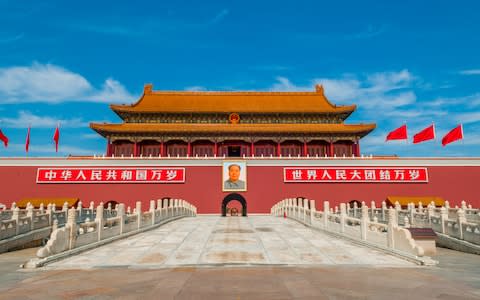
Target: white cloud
(11,39)
(219,17)
(389,99)
(54,84)
(383,90)
(468,117)
(195,88)
(92,136)
(26,118)
(470,72)
(370,32)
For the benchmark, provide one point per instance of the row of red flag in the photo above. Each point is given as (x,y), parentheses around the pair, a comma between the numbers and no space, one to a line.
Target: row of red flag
(426,134)
(56,138)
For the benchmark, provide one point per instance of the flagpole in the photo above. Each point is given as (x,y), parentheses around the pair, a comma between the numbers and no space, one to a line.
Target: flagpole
(461,131)
(27,142)
(406,127)
(434,133)
(56,143)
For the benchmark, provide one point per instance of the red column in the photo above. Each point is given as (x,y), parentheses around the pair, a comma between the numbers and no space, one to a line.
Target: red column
(215,149)
(354,149)
(162,152)
(358,148)
(278,149)
(305,150)
(189,149)
(108,148)
(135,150)
(252,150)
(331,149)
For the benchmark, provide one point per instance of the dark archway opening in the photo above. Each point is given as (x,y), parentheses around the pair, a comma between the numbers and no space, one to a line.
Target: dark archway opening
(237,197)
(113,204)
(351,203)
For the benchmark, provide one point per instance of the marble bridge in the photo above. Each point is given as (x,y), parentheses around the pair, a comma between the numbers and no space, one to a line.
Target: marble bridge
(213,240)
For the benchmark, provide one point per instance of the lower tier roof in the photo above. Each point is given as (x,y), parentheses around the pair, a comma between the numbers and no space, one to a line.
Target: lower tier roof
(184,128)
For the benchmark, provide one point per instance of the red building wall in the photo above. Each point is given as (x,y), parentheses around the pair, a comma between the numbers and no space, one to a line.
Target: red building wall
(203,187)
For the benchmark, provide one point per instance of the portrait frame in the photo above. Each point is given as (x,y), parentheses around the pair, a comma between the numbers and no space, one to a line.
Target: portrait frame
(242,180)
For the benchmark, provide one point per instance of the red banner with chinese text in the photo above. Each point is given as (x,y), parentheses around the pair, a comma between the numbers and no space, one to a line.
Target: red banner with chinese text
(355,174)
(110,175)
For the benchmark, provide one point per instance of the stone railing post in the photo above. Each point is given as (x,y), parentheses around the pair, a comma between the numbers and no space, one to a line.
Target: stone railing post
(91,208)
(175,207)
(392,222)
(326,212)
(100,221)
(16,217)
(343,214)
(430,213)
(138,211)
(30,215)
(159,208)
(443,218)
(461,218)
(80,210)
(411,211)
(305,208)
(312,211)
(65,210)
(159,204)
(152,211)
(355,207)
(364,222)
(447,205)
(420,207)
(398,209)
(72,227)
(109,210)
(121,215)
(41,209)
(372,209)
(384,209)
(49,214)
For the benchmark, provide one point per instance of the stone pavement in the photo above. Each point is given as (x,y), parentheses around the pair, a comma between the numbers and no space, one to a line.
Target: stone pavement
(213,240)
(456,277)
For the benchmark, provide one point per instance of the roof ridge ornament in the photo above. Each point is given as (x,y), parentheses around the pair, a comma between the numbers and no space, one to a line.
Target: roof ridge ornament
(319,89)
(148,89)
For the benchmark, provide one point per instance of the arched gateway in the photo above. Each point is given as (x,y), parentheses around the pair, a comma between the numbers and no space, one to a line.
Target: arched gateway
(234,196)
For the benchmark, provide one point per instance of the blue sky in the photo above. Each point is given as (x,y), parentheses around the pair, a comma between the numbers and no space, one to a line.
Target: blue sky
(413,61)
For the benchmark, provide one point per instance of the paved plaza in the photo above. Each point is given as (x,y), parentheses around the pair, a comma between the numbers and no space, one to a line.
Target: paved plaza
(213,240)
(258,257)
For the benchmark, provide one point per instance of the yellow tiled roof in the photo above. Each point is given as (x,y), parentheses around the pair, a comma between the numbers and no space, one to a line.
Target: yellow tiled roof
(233,102)
(58,202)
(405,200)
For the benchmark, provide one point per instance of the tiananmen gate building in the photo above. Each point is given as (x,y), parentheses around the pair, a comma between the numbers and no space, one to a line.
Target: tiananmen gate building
(258,148)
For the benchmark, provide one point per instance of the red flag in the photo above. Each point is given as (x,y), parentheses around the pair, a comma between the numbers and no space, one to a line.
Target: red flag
(398,134)
(453,135)
(3,138)
(56,137)
(27,142)
(425,135)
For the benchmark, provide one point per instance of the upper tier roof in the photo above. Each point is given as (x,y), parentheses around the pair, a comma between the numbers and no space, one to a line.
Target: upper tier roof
(239,102)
